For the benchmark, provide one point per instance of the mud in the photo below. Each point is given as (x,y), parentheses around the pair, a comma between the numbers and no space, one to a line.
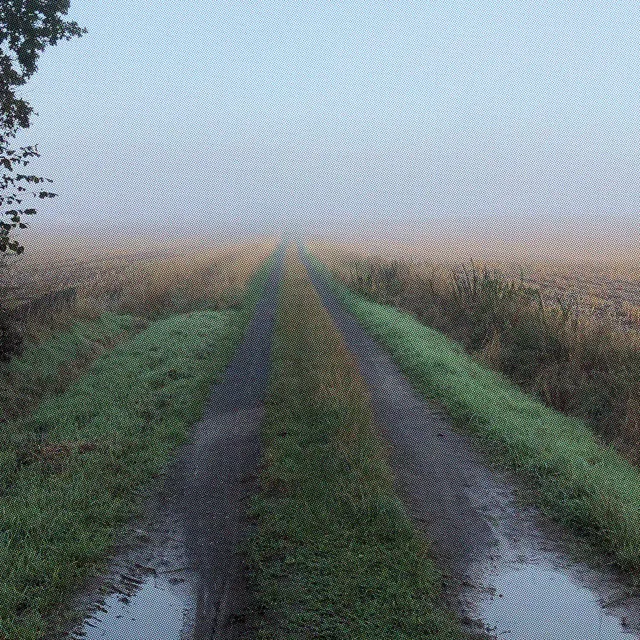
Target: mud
(508,571)
(181,573)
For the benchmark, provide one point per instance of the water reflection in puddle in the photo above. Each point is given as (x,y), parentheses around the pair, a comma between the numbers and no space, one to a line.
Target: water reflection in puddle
(153,612)
(533,602)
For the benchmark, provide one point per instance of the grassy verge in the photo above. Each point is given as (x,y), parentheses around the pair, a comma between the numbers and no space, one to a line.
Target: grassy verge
(70,474)
(580,482)
(571,353)
(49,367)
(335,555)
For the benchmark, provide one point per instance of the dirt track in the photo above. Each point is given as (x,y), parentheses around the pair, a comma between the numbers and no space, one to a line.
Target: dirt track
(216,474)
(188,557)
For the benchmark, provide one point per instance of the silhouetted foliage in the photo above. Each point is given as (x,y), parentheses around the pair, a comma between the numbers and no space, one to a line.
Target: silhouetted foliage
(11,341)
(27,27)
(14,187)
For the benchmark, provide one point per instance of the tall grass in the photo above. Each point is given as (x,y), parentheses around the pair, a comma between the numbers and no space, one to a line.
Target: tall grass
(580,364)
(212,279)
(148,284)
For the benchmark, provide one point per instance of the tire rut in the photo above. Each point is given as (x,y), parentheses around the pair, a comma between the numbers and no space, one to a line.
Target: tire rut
(217,473)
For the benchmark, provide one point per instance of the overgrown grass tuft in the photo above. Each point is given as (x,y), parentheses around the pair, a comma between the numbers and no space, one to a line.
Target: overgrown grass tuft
(582,483)
(70,474)
(335,555)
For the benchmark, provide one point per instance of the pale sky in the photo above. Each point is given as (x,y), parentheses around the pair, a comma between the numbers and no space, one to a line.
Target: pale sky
(328,112)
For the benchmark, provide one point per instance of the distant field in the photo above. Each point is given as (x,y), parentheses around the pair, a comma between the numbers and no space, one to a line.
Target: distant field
(606,290)
(102,271)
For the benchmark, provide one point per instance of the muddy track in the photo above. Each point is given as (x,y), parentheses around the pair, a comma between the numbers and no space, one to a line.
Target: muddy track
(182,572)
(507,570)
(217,473)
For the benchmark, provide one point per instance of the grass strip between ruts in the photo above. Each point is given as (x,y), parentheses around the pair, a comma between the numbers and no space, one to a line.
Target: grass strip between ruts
(334,554)
(70,475)
(579,481)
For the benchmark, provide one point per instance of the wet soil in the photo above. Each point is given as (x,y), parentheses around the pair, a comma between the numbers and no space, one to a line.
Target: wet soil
(508,571)
(181,573)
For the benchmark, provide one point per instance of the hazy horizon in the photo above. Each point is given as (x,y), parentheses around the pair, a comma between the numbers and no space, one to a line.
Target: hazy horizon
(517,117)
(463,240)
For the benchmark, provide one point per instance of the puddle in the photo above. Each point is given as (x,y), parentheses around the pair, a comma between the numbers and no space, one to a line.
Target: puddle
(151,610)
(540,602)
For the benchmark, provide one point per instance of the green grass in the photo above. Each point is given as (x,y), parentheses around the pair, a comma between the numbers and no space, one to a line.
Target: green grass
(335,555)
(579,481)
(71,474)
(49,367)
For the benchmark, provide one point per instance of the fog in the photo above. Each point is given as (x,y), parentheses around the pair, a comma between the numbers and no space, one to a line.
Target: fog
(501,120)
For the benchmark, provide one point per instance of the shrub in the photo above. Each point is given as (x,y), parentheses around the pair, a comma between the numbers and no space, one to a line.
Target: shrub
(11,342)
